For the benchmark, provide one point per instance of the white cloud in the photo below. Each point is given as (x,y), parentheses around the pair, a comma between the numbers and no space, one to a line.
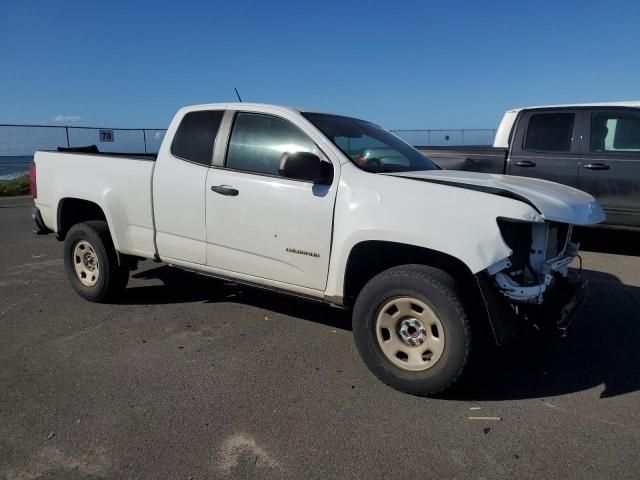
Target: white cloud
(67,118)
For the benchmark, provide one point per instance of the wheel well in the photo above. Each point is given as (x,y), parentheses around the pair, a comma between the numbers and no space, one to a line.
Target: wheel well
(369,258)
(73,210)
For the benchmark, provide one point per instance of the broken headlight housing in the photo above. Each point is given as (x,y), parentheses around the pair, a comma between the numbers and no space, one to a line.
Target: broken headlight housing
(540,253)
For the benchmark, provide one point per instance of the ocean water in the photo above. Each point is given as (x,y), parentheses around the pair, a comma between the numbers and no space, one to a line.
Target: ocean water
(11,167)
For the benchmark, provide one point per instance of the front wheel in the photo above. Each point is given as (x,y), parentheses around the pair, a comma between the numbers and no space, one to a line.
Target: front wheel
(91,262)
(412,330)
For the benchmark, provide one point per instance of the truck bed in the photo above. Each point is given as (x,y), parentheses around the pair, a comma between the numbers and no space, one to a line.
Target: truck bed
(119,184)
(485,159)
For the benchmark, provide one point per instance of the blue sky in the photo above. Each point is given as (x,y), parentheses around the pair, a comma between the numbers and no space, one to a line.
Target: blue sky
(402,64)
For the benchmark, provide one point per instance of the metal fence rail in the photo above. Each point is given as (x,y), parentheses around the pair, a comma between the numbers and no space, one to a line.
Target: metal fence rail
(18,143)
(442,138)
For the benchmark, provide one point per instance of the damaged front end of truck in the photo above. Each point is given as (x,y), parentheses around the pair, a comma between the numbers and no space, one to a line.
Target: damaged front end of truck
(535,285)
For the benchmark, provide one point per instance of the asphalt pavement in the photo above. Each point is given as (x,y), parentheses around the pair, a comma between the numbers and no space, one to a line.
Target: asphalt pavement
(188,377)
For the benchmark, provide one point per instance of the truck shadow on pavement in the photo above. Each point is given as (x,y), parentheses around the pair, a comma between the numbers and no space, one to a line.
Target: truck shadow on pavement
(602,350)
(179,286)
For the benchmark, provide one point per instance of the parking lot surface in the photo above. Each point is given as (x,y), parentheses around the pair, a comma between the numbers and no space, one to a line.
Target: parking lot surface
(188,377)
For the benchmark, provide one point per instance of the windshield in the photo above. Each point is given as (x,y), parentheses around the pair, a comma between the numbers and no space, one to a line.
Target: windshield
(369,146)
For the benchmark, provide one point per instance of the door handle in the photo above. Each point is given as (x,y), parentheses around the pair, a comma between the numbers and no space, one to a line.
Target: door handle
(525,163)
(225,190)
(597,166)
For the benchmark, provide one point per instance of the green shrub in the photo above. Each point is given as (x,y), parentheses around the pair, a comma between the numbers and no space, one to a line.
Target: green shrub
(12,188)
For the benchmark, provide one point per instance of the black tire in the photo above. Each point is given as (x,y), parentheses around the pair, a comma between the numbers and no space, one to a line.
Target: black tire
(112,278)
(435,288)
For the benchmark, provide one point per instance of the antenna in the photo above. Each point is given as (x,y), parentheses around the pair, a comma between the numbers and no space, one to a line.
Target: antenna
(238,95)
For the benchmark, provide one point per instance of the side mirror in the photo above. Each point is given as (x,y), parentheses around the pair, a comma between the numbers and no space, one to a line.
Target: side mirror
(305,166)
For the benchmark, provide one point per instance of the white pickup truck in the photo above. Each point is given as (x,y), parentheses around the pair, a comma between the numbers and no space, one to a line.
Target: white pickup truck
(274,197)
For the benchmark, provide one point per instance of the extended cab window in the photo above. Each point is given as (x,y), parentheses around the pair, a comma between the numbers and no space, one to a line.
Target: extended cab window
(258,141)
(196,135)
(550,132)
(615,132)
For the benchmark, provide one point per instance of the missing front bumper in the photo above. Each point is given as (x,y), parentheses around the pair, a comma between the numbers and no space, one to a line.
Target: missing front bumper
(555,316)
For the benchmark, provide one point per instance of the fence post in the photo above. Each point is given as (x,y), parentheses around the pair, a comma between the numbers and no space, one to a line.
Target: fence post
(66,129)
(144,139)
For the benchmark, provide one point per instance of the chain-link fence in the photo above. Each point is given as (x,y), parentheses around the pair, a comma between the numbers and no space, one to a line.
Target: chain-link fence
(443,138)
(18,143)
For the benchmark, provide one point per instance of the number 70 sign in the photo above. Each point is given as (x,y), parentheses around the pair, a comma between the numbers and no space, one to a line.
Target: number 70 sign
(105,135)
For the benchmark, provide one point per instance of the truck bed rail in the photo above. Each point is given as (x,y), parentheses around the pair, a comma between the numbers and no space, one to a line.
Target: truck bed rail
(93,150)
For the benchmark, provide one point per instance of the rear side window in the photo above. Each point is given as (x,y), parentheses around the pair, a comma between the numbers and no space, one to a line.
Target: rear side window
(196,135)
(615,132)
(550,132)
(258,141)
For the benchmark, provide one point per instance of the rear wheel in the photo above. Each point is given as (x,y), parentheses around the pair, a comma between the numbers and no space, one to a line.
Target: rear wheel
(412,330)
(91,262)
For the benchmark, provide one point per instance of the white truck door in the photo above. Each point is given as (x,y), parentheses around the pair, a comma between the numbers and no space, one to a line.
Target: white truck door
(179,187)
(261,224)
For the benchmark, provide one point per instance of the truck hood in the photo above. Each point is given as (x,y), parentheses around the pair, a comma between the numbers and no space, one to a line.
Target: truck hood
(555,202)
